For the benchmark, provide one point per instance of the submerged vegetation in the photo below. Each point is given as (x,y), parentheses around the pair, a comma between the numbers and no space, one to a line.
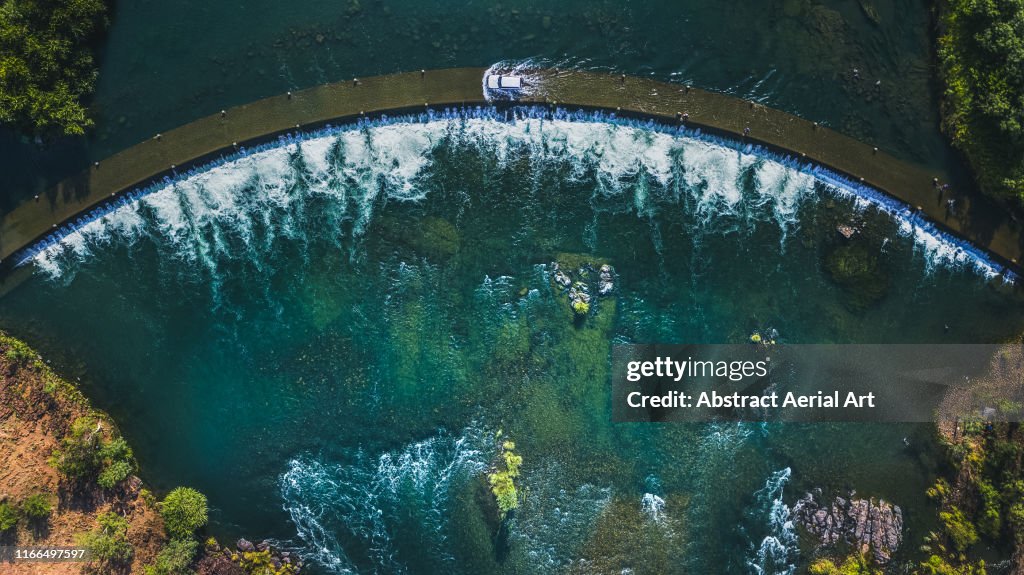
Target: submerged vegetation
(981,55)
(46,63)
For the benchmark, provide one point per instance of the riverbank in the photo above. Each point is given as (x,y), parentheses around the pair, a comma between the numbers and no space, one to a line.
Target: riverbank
(120,524)
(38,410)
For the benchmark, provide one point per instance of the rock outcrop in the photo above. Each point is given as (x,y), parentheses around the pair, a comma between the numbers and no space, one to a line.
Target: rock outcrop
(872,526)
(576,283)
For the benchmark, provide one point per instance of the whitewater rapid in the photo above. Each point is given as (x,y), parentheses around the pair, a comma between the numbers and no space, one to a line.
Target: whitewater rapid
(237,206)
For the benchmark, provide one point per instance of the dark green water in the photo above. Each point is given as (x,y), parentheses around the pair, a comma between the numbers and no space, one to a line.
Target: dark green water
(325,338)
(167,63)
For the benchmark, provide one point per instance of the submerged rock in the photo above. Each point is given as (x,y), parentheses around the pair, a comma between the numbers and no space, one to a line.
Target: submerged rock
(430,236)
(870,525)
(846,230)
(859,273)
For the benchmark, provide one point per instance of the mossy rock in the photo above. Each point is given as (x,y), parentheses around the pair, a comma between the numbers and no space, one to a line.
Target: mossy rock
(860,274)
(574,261)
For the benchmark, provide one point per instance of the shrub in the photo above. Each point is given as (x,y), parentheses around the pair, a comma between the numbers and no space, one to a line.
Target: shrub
(37,507)
(184,511)
(115,473)
(174,559)
(853,565)
(502,479)
(260,563)
(78,454)
(936,565)
(1015,517)
(8,516)
(960,531)
(86,454)
(109,542)
(939,491)
(989,520)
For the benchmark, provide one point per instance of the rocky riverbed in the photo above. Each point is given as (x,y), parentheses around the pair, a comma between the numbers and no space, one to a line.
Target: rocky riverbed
(872,526)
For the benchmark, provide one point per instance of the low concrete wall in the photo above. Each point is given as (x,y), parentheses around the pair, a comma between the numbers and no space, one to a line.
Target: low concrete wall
(208,137)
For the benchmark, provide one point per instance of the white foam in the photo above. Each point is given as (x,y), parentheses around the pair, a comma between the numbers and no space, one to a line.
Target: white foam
(367,498)
(777,552)
(239,207)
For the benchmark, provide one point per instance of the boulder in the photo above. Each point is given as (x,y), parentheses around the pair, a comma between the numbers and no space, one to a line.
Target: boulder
(245,546)
(218,565)
(607,280)
(561,278)
(579,298)
(870,525)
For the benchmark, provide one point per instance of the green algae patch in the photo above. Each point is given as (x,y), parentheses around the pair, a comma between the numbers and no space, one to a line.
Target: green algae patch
(632,538)
(859,273)
(432,237)
(575,261)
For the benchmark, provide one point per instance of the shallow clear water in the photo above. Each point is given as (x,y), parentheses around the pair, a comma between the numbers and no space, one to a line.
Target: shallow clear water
(326,336)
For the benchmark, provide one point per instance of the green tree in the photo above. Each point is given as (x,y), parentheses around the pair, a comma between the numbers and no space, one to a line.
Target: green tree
(109,542)
(78,455)
(46,63)
(184,511)
(981,54)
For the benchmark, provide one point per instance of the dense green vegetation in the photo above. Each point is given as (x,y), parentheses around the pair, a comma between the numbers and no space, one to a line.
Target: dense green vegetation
(46,63)
(109,542)
(174,559)
(8,516)
(87,453)
(502,479)
(853,565)
(984,501)
(37,507)
(184,511)
(981,54)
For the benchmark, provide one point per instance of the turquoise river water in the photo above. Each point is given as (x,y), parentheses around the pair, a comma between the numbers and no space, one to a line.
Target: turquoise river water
(327,334)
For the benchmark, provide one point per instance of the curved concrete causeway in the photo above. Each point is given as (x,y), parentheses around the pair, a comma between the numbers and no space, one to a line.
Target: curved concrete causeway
(209,137)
